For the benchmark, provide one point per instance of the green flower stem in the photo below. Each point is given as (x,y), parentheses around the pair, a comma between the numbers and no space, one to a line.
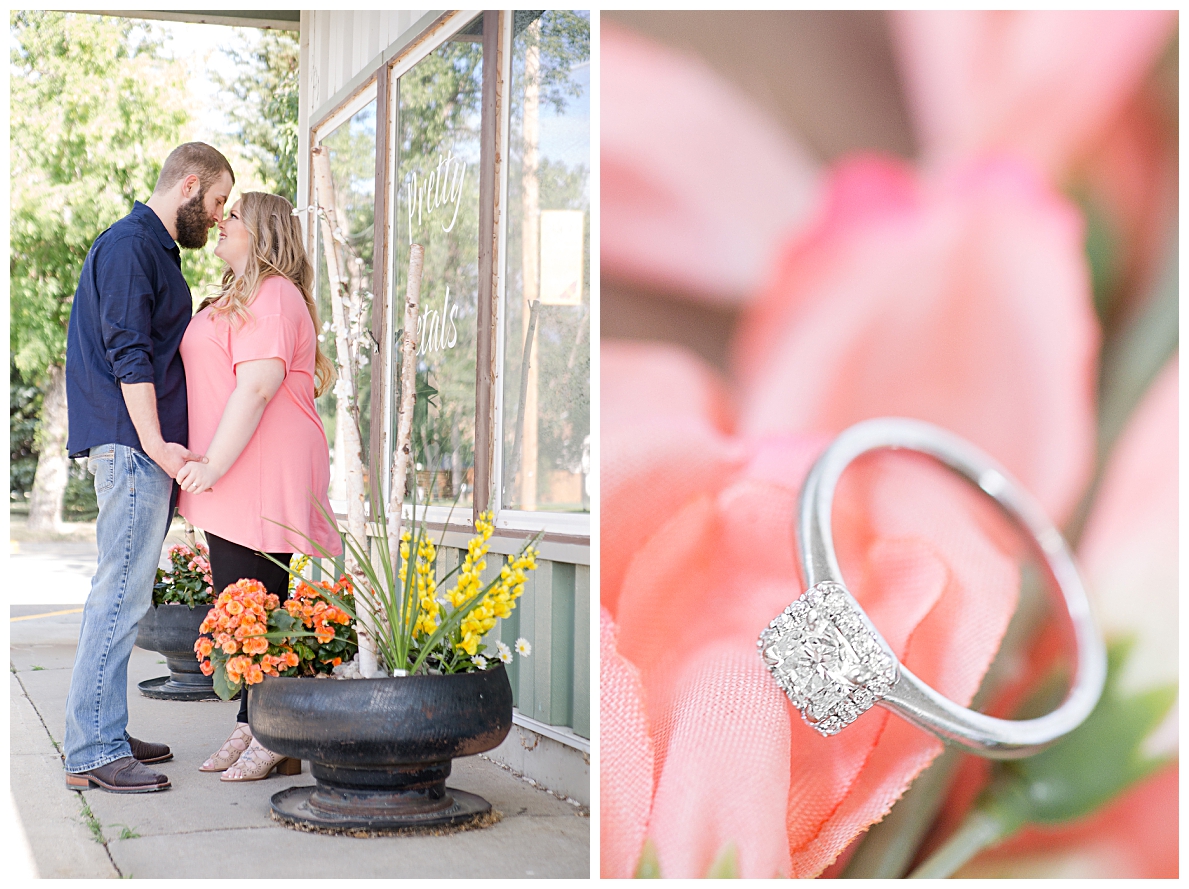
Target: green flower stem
(979,831)
(1074,777)
(890,846)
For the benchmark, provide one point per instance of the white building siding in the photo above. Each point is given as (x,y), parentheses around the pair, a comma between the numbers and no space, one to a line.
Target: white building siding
(348,43)
(336,49)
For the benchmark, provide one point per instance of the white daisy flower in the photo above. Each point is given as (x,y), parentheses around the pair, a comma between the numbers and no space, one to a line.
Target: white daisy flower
(523,648)
(479,661)
(504,652)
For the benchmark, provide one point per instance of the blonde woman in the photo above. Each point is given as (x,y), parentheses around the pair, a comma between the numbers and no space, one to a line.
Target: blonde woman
(253,369)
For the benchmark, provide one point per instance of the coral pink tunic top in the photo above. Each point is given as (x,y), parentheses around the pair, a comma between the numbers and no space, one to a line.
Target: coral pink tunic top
(286,463)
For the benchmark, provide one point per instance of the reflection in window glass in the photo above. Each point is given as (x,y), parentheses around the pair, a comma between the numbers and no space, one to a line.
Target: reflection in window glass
(352,157)
(546,316)
(437,206)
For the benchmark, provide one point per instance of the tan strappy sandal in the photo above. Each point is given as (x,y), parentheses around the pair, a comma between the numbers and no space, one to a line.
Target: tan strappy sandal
(258,762)
(232,749)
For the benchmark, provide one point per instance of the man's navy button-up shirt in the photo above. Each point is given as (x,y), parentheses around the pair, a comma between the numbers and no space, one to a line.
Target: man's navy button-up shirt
(126,324)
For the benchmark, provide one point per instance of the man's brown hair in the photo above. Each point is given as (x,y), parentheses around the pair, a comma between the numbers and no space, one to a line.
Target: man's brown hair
(193,157)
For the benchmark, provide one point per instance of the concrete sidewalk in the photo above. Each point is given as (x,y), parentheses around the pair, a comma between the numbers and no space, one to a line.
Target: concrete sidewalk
(202,827)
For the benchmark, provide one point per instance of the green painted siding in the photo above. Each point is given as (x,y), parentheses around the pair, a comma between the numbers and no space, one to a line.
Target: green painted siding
(580,721)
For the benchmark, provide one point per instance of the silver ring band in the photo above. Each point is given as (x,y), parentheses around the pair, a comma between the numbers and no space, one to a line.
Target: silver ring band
(832,662)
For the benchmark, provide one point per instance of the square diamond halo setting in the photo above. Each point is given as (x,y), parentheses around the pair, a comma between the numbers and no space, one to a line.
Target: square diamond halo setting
(827,658)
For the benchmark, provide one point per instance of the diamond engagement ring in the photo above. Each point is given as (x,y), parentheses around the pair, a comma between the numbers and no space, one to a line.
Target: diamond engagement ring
(832,662)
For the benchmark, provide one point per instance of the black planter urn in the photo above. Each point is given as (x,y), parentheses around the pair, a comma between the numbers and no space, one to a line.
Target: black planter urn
(172,631)
(380,749)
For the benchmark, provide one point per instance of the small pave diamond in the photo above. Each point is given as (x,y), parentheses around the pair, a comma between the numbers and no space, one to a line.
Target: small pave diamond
(827,659)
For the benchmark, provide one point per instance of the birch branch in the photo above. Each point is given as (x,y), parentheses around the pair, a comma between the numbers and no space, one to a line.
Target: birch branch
(348,446)
(408,396)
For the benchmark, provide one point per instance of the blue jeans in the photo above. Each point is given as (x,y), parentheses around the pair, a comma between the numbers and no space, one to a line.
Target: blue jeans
(134,506)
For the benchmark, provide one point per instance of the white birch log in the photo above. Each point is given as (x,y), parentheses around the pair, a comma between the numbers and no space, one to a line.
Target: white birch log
(349,446)
(408,397)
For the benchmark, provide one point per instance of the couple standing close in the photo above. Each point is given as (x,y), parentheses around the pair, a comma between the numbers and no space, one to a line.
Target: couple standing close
(214,414)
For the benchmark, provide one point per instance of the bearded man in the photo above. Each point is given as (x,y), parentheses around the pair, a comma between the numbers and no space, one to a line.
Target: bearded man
(126,399)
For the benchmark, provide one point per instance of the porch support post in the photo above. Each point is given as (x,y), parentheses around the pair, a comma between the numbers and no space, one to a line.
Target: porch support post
(485,330)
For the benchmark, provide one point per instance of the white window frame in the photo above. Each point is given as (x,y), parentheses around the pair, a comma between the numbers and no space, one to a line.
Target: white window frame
(341,115)
(433,514)
(569,523)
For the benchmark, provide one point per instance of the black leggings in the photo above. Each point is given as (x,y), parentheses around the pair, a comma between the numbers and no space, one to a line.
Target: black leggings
(231,562)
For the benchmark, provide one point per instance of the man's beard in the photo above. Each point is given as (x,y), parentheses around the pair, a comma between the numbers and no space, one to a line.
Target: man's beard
(193,222)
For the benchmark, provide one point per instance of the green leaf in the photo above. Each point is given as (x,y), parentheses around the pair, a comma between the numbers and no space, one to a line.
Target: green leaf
(726,865)
(649,867)
(224,689)
(1098,760)
(283,620)
(1086,769)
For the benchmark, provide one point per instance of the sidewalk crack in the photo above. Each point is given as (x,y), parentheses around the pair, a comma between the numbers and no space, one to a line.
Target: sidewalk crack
(89,820)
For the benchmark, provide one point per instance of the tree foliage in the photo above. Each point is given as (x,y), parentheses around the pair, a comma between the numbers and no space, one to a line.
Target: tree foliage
(263,105)
(95,110)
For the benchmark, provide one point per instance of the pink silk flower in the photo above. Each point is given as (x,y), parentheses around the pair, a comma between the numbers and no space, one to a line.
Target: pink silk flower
(698,186)
(701,750)
(1038,84)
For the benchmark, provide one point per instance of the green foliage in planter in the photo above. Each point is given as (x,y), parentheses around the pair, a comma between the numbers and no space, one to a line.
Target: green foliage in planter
(182,584)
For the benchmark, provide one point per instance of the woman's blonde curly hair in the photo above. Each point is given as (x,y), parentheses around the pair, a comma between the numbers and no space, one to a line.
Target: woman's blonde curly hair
(277,249)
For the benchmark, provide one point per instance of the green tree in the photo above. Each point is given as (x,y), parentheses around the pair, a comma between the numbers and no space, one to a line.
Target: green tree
(264,106)
(94,112)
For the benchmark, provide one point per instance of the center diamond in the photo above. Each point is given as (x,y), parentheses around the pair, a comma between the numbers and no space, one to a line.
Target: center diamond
(830,662)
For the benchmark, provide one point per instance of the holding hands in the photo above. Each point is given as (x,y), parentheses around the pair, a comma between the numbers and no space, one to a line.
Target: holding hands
(195,477)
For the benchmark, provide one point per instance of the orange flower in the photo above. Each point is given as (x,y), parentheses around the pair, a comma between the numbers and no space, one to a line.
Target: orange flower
(234,607)
(206,668)
(204,646)
(254,674)
(324,634)
(255,645)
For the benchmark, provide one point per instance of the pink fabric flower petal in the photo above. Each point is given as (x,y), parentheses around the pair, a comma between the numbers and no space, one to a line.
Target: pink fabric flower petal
(1040,84)
(645,382)
(698,186)
(625,760)
(662,443)
(726,775)
(709,576)
(963,301)
(1130,550)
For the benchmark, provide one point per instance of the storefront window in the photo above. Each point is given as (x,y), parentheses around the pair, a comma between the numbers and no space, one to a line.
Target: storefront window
(545,416)
(348,206)
(439,103)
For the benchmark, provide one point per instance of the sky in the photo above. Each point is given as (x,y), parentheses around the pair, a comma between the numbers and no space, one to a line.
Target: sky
(200,48)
